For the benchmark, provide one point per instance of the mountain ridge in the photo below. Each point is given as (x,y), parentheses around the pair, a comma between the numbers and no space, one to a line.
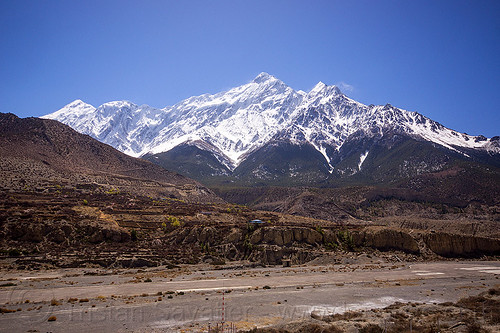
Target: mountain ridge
(233,124)
(48,153)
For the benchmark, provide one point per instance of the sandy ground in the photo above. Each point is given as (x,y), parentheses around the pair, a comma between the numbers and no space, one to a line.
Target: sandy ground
(190,298)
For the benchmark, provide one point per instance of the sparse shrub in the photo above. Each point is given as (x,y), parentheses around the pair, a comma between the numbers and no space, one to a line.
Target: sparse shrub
(494,291)
(55,302)
(346,315)
(52,318)
(332,329)
(371,328)
(14,253)
(494,318)
(218,262)
(345,237)
(85,202)
(193,260)
(174,221)
(266,287)
(113,191)
(148,280)
(317,328)
(474,327)
(83,300)
(320,230)
(331,246)
(133,235)
(205,247)
(251,227)
(247,244)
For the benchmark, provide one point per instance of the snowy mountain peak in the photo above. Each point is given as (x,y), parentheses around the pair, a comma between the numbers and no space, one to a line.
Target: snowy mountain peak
(264,77)
(76,103)
(75,109)
(320,86)
(118,104)
(325,90)
(236,122)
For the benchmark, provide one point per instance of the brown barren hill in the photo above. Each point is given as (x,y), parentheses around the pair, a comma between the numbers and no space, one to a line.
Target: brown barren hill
(38,152)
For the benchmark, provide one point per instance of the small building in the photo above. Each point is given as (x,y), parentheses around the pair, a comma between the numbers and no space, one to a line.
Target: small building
(287,262)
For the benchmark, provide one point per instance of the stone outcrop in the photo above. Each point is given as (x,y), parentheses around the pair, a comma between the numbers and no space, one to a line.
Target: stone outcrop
(451,245)
(264,244)
(386,239)
(274,254)
(64,232)
(286,236)
(270,244)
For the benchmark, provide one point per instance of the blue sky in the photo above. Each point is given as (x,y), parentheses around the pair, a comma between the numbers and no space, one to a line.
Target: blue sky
(440,58)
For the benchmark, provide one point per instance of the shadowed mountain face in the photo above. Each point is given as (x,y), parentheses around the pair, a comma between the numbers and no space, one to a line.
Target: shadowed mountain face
(39,152)
(360,161)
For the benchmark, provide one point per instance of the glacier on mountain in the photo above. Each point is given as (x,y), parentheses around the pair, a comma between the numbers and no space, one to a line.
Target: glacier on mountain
(233,123)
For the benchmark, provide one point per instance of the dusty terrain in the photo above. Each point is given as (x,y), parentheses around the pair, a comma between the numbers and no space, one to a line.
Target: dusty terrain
(113,262)
(461,204)
(189,298)
(65,228)
(94,240)
(40,155)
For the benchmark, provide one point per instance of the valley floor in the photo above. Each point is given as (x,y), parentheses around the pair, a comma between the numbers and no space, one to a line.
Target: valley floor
(189,298)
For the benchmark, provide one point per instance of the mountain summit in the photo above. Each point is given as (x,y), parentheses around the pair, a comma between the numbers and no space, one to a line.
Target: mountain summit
(230,127)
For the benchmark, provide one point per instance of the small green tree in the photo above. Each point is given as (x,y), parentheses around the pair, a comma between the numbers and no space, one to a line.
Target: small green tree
(345,237)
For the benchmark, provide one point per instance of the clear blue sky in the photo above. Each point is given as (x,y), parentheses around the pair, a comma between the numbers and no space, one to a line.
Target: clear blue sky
(440,58)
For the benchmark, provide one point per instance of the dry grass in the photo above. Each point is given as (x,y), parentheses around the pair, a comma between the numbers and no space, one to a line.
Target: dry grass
(485,304)
(475,314)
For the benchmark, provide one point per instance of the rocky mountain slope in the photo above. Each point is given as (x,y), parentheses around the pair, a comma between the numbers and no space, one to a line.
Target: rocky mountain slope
(41,154)
(266,132)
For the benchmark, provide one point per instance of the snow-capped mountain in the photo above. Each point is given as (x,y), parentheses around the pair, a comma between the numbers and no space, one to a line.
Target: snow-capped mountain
(234,124)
